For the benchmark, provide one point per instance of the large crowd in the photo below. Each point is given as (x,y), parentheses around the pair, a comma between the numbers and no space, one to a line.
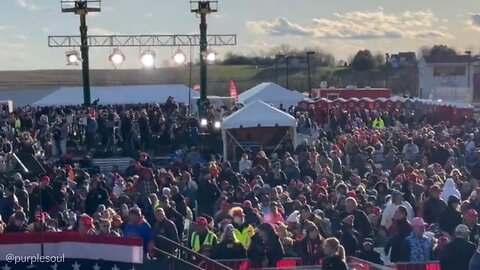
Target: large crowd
(364,180)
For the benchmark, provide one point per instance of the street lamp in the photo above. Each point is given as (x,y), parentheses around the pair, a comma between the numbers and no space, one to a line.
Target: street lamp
(210,56)
(202,8)
(309,53)
(81,8)
(277,58)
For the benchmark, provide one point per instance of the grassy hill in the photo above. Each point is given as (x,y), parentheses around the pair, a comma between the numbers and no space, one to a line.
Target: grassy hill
(219,76)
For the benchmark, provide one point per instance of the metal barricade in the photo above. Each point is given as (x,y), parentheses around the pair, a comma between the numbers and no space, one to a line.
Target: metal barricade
(435,265)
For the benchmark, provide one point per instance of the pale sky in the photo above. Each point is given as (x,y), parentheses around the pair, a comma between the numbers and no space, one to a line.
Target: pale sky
(341,27)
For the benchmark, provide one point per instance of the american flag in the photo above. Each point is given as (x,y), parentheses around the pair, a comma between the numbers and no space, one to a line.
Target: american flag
(69,251)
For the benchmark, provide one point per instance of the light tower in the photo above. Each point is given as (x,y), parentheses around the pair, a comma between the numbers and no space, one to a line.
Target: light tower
(203,8)
(82,8)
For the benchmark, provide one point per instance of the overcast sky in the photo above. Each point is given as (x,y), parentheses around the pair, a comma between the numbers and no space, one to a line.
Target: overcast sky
(339,26)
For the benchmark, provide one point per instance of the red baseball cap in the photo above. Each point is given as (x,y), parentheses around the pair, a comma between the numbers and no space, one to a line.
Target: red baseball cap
(471,213)
(352,194)
(201,221)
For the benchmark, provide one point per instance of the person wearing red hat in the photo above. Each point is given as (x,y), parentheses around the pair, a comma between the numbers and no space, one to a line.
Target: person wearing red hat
(242,231)
(471,220)
(202,239)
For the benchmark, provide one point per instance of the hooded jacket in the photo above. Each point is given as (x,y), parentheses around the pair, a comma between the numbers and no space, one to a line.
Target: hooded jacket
(449,189)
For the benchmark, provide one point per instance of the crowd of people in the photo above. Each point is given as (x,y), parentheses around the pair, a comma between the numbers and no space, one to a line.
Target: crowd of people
(366,180)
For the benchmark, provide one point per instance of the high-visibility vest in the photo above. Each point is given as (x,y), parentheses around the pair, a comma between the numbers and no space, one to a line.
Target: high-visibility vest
(244,236)
(378,123)
(18,123)
(195,241)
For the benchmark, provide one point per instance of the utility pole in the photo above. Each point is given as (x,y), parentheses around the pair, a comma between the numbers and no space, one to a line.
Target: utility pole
(387,67)
(309,70)
(81,8)
(287,62)
(277,58)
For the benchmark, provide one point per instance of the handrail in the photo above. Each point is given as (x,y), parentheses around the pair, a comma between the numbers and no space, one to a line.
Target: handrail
(376,266)
(196,267)
(191,252)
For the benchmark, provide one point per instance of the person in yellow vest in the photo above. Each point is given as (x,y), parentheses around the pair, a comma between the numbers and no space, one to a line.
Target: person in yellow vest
(378,122)
(242,231)
(202,239)
(18,124)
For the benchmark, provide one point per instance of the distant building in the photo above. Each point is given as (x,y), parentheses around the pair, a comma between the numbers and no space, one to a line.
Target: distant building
(449,78)
(403,59)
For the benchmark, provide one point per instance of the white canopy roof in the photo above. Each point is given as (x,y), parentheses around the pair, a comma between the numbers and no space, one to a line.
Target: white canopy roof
(132,94)
(258,113)
(273,94)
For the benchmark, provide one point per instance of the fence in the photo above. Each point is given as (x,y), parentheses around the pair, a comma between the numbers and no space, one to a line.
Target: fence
(353,264)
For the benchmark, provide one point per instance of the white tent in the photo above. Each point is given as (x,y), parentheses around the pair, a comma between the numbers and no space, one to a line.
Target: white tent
(133,94)
(257,114)
(271,93)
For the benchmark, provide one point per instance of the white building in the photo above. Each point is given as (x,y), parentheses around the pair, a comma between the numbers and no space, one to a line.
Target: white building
(447,78)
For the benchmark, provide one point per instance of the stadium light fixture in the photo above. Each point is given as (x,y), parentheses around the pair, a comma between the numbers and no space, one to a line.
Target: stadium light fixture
(210,56)
(73,58)
(179,58)
(117,57)
(147,59)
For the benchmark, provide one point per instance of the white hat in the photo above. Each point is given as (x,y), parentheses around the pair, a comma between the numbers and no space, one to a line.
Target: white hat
(294,217)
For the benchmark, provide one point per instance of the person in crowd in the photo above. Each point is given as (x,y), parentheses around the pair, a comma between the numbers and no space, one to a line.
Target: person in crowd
(369,254)
(475,260)
(402,230)
(173,215)
(389,212)
(242,231)
(438,249)
(266,249)
(310,247)
(457,254)
(229,248)
(138,227)
(450,217)
(470,218)
(203,240)
(18,223)
(416,247)
(306,214)
(105,228)
(274,215)
(361,224)
(164,228)
(334,255)
(434,205)
(410,151)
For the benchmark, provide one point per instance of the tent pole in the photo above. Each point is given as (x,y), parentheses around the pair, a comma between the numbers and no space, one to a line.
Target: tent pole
(225,144)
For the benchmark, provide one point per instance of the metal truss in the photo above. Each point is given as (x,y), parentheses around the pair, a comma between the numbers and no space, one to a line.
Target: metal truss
(141,41)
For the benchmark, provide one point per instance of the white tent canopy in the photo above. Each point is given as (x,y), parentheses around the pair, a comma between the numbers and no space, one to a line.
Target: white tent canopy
(257,114)
(273,94)
(133,94)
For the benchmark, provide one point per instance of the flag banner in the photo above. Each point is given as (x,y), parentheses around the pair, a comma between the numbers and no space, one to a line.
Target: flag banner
(233,90)
(69,250)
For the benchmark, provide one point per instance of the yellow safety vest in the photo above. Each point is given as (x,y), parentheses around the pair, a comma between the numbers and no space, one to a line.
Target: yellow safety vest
(18,123)
(195,241)
(378,123)
(244,236)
